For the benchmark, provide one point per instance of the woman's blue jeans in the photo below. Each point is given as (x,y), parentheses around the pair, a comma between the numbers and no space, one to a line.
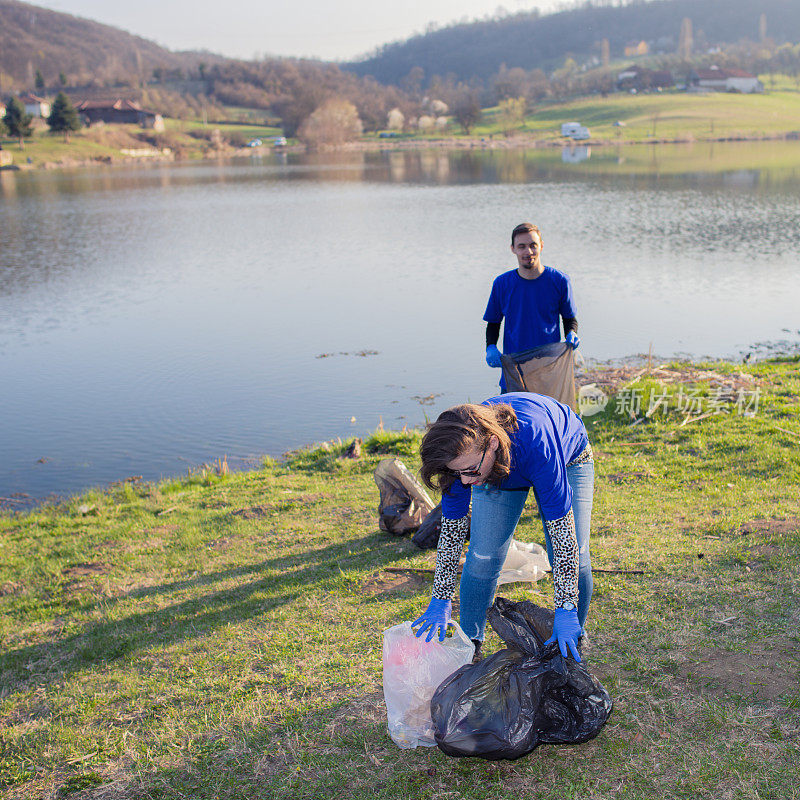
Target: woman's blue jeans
(495,514)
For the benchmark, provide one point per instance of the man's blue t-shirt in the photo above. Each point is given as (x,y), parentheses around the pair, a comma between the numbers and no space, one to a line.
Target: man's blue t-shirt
(531,308)
(549,436)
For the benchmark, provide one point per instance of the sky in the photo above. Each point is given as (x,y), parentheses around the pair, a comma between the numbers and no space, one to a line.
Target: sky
(305,28)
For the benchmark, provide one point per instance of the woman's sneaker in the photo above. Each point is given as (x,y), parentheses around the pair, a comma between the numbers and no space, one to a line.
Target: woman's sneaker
(478,654)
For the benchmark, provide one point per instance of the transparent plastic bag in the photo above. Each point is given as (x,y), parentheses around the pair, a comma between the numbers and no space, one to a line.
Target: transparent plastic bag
(525,561)
(412,671)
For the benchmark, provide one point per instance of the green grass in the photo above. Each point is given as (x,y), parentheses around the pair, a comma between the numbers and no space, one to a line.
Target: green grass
(669,115)
(220,636)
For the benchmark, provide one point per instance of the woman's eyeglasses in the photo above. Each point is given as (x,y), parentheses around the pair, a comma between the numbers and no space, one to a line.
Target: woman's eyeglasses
(472,472)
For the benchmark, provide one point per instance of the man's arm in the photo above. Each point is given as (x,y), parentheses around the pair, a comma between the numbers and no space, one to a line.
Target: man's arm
(493,333)
(570,324)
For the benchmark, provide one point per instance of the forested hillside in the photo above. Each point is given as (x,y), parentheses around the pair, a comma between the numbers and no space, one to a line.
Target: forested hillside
(477,50)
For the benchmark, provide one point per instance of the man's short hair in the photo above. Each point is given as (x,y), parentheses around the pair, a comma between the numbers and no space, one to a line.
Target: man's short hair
(525,227)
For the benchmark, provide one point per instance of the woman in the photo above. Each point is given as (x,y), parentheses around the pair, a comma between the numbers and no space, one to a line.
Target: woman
(494,453)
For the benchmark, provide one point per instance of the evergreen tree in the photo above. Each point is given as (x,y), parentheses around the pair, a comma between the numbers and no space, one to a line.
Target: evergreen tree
(63,116)
(3,129)
(18,121)
(62,78)
(39,81)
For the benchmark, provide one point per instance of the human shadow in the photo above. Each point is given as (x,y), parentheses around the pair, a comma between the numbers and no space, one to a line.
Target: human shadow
(276,581)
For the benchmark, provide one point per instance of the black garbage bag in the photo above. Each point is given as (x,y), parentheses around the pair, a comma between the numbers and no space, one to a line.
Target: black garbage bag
(521,697)
(427,537)
(404,502)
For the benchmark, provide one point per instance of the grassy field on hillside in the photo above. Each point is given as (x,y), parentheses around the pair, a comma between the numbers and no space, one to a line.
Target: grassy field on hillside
(219,636)
(671,115)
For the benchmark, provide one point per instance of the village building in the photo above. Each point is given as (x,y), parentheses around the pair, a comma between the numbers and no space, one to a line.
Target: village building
(119,111)
(718,79)
(35,106)
(640,48)
(641,78)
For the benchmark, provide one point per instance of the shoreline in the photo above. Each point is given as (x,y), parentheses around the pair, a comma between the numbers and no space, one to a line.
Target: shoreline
(388,145)
(611,375)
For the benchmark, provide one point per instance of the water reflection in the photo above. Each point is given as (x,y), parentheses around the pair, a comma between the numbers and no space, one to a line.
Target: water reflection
(157,316)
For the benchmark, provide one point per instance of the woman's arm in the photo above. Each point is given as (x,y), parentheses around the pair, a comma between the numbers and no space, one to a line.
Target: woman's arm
(565,556)
(448,553)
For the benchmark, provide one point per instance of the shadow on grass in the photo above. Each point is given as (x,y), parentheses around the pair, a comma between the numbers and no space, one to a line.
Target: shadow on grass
(276,582)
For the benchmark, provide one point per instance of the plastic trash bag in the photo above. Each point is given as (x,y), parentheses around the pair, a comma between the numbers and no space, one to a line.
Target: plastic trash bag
(427,537)
(518,698)
(549,369)
(412,669)
(525,562)
(404,502)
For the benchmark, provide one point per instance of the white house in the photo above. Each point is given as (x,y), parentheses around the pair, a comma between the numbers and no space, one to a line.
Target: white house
(35,106)
(568,128)
(725,80)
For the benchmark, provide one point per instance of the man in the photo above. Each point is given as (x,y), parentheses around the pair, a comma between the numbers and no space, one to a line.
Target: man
(530,299)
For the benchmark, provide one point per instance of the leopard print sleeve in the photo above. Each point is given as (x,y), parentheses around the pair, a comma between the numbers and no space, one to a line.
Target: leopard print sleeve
(565,556)
(448,553)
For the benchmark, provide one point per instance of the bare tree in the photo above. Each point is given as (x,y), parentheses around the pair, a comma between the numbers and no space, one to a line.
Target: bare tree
(335,122)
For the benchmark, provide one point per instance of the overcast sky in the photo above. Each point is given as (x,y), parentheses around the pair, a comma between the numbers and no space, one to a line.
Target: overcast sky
(315,28)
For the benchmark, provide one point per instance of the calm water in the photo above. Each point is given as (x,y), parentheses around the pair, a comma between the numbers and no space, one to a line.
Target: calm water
(158,317)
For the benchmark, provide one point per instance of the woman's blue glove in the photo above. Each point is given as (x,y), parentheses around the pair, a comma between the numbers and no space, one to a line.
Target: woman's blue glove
(572,339)
(435,618)
(567,631)
(493,356)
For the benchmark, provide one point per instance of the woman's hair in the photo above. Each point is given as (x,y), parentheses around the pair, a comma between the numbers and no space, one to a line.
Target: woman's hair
(457,430)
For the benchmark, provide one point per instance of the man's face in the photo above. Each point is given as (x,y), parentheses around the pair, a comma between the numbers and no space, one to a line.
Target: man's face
(527,248)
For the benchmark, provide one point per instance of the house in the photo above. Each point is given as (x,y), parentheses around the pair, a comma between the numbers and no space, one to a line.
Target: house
(568,128)
(641,78)
(636,49)
(723,80)
(35,106)
(119,111)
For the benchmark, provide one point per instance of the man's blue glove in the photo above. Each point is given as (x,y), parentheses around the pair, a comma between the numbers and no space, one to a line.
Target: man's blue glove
(435,619)
(572,338)
(493,356)
(567,631)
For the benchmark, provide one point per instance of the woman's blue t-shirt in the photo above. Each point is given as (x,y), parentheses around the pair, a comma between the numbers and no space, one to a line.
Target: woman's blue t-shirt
(549,436)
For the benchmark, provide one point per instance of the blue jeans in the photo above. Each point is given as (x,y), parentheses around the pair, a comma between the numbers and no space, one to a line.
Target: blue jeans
(495,514)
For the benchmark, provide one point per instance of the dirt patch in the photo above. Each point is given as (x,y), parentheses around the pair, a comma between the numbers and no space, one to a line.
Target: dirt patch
(85,569)
(629,477)
(760,677)
(11,587)
(773,527)
(383,584)
(253,512)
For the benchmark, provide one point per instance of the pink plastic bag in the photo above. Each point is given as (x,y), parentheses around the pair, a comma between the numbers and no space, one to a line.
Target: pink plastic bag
(412,671)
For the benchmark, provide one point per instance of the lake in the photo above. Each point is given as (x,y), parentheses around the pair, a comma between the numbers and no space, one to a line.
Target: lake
(156,317)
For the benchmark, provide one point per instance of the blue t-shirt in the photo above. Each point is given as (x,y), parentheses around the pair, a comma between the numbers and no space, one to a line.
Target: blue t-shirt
(549,436)
(531,308)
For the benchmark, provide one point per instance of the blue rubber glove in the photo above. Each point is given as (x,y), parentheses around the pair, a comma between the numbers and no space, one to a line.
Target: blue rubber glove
(572,338)
(493,356)
(435,619)
(566,631)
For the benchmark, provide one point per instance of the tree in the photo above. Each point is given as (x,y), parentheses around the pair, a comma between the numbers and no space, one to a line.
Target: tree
(3,129)
(39,81)
(466,109)
(335,122)
(62,78)
(63,116)
(511,113)
(685,41)
(18,121)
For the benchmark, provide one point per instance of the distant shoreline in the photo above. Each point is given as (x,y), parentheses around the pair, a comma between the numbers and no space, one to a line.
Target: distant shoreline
(371,145)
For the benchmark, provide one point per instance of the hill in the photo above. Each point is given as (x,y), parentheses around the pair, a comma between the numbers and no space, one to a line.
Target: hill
(33,38)
(476,50)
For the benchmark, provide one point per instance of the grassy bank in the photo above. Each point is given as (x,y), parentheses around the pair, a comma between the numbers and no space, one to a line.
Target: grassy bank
(220,636)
